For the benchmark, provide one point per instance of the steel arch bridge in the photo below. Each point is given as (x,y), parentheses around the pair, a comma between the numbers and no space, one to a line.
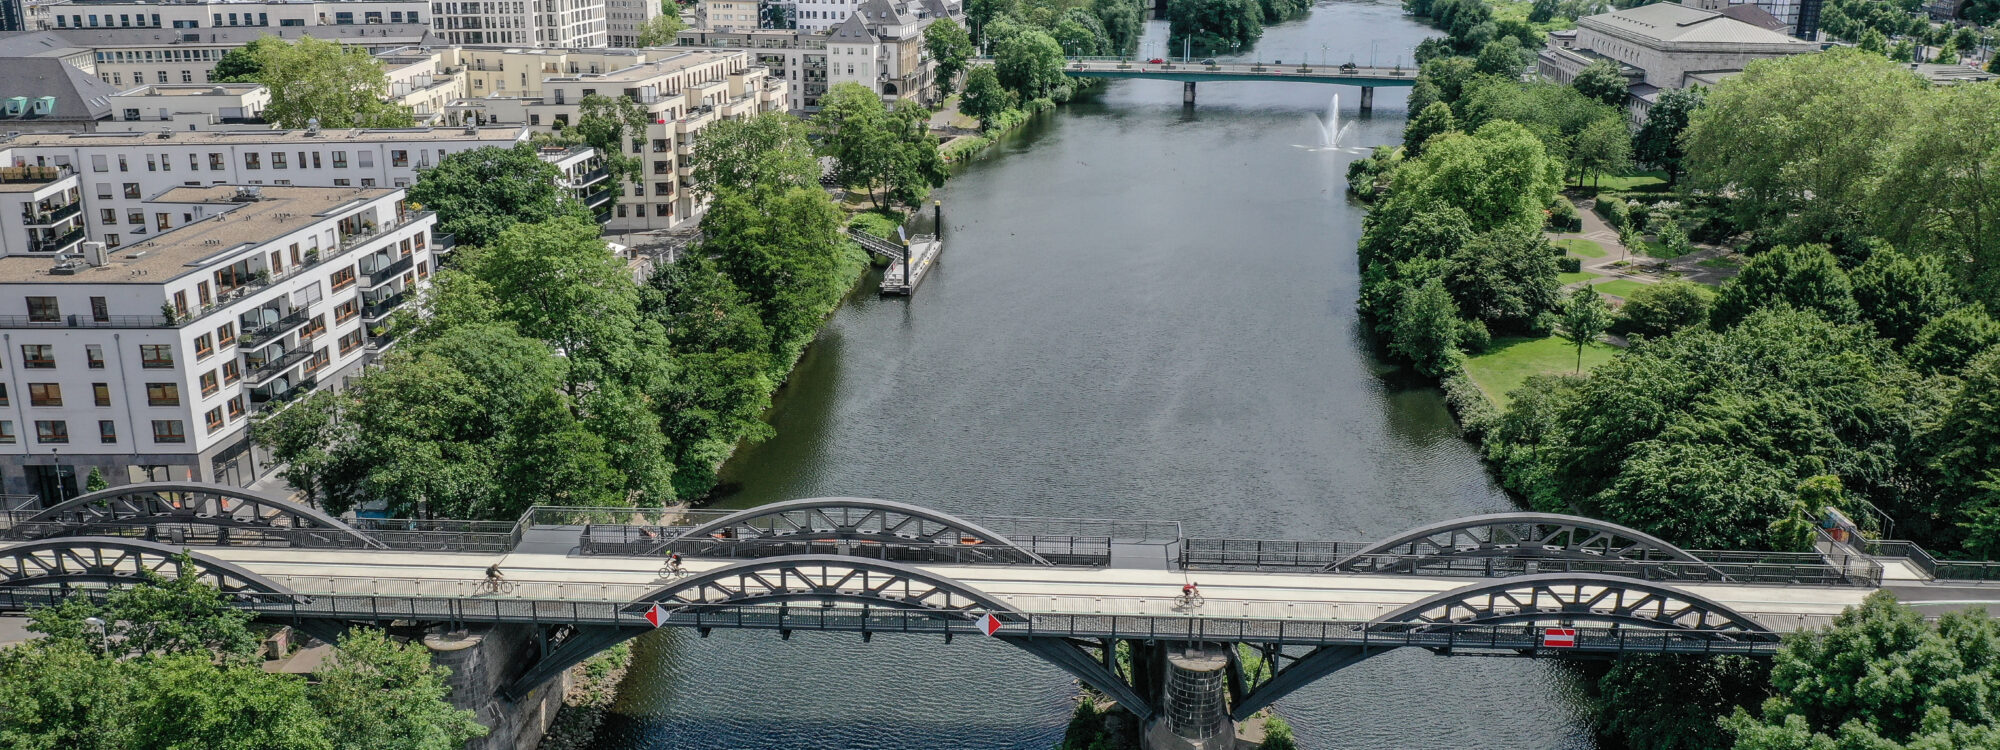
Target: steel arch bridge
(79,561)
(190,510)
(851,526)
(1514,535)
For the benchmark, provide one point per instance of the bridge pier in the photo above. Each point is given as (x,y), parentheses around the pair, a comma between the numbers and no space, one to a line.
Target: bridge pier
(1367,98)
(1194,703)
(1187,93)
(483,662)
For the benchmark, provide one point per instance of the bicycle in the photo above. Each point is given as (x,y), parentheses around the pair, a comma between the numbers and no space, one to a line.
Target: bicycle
(494,586)
(1189,600)
(672,570)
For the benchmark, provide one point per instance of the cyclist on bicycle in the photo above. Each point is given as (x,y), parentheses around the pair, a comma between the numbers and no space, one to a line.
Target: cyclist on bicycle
(674,563)
(493,574)
(1190,592)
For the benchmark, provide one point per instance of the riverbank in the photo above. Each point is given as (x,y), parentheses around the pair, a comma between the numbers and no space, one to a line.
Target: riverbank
(593,686)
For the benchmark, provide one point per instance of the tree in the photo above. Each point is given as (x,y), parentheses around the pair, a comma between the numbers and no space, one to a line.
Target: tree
(1030,64)
(1873,41)
(951,46)
(1426,329)
(95,481)
(1946,55)
(873,148)
(1080,33)
(1880,676)
(1584,318)
(1435,120)
(1658,140)
(1949,342)
(1656,310)
(784,251)
(1601,81)
(1799,139)
(1901,294)
(1215,24)
(984,97)
(1122,23)
(978,13)
(1278,735)
(482,192)
(1670,702)
(1933,197)
(377,693)
(1967,461)
(771,150)
(664,31)
(556,282)
(338,85)
(1603,146)
(1542,11)
(1504,278)
(1503,58)
(245,64)
(607,123)
(1805,277)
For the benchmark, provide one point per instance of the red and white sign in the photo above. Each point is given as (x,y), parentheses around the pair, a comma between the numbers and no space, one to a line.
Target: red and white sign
(655,615)
(989,624)
(1559,638)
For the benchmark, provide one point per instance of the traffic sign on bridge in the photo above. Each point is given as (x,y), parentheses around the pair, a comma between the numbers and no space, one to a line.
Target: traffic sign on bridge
(1559,638)
(655,615)
(989,624)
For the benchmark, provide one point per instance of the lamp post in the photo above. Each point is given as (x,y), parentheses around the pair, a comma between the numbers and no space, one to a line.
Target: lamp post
(98,626)
(55,454)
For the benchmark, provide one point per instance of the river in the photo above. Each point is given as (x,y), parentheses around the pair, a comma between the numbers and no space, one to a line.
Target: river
(1143,312)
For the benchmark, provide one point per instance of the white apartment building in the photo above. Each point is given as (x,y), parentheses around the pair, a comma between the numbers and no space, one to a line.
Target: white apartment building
(135,57)
(881,47)
(795,56)
(120,172)
(41,209)
(147,361)
(189,106)
(726,15)
(540,23)
(624,18)
(821,15)
(208,14)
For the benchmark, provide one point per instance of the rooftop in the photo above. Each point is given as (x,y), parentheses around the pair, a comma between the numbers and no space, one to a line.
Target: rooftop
(647,70)
(192,89)
(78,96)
(281,210)
(36,44)
(1681,24)
(497,135)
(383,34)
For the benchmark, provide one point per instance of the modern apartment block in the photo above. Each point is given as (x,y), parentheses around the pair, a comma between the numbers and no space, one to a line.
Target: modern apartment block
(211,14)
(682,91)
(881,47)
(147,361)
(540,23)
(624,19)
(134,57)
(795,56)
(726,15)
(189,106)
(119,173)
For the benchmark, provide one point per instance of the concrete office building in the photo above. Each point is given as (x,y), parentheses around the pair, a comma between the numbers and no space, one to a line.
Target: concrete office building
(147,361)
(795,56)
(1662,46)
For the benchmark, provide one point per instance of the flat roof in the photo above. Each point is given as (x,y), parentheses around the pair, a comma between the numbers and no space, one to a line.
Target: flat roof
(192,89)
(498,134)
(281,210)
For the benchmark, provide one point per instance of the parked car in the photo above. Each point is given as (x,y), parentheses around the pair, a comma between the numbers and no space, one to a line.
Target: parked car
(1155,61)
(1209,61)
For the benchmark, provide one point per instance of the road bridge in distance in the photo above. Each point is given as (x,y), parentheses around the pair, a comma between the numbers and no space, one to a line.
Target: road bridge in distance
(1099,599)
(1367,78)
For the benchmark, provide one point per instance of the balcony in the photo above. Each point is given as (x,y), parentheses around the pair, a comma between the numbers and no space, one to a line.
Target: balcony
(381,308)
(599,198)
(60,244)
(33,175)
(443,243)
(389,272)
(262,372)
(261,401)
(591,177)
(275,329)
(81,321)
(51,217)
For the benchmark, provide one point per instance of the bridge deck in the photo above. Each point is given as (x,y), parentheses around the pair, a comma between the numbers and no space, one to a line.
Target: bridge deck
(1232,595)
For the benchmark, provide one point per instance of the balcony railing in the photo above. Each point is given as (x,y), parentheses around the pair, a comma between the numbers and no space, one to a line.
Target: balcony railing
(261,373)
(273,400)
(389,272)
(34,175)
(592,177)
(275,329)
(380,308)
(443,243)
(85,321)
(52,216)
(599,198)
(58,244)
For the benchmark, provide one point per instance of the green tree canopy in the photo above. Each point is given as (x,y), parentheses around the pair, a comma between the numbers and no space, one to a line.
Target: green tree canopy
(1030,64)
(1602,82)
(1656,310)
(1584,317)
(341,86)
(664,31)
(1901,294)
(481,192)
(1435,120)
(244,64)
(951,46)
(1658,141)
(770,150)
(1806,277)
(1426,329)
(1939,192)
(1215,24)
(984,97)
(1949,342)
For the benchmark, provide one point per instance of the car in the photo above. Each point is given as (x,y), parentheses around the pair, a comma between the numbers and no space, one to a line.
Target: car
(1209,61)
(1155,61)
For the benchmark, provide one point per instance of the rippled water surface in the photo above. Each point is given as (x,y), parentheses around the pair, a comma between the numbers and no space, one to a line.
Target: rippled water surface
(1143,312)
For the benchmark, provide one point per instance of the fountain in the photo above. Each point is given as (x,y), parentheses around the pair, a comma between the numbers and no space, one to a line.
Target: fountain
(1330,131)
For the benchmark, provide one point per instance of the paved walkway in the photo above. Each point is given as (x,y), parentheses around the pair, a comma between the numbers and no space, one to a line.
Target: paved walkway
(1620,262)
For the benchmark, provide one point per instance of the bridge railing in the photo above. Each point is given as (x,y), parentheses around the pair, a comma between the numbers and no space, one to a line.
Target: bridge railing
(1739,567)
(655,541)
(1951,570)
(460,610)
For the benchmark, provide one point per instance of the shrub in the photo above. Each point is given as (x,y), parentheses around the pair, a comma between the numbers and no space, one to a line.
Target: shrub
(1660,309)
(1474,337)
(1563,216)
(1569,264)
(1614,211)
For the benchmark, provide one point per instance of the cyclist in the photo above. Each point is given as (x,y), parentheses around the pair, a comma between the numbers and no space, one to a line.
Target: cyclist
(493,574)
(1189,592)
(674,563)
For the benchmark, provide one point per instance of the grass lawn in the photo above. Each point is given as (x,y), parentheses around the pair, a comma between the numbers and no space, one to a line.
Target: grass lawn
(1629,181)
(1654,249)
(1581,248)
(1511,360)
(1619,287)
(1571,278)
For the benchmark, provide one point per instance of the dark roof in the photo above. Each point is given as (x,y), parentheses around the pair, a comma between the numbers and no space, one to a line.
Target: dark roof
(1754,16)
(35,44)
(851,30)
(79,95)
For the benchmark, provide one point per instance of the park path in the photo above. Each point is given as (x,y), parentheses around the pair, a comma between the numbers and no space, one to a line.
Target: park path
(1636,266)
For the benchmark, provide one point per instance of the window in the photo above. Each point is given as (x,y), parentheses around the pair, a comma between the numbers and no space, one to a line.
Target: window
(208,383)
(181,302)
(313,327)
(350,341)
(107,215)
(7,431)
(102,393)
(156,356)
(43,310)
(45,394)
(203,346)
(122,167)
(3,394)
(225,335)
(340,160)
(163,394)
(346,311)
(111,240)
(38,356)
(364,159)
(51,431)
(132,192)
(231,372)
(368,182)
(302,159)
(187,76)
(100,162)
(253,160)
(163,221)
(214,419)
(398,158)
(100,311)
(93,354)
(169,431)
(235,406)
(215,162)
(342,182)
(343,278)
(107,431)
(277,160)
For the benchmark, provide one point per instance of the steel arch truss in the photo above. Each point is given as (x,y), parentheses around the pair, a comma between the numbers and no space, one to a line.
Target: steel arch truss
(1514,535)
(232,513)
(1574,597)
(851,526)
(68,562)
(829,580)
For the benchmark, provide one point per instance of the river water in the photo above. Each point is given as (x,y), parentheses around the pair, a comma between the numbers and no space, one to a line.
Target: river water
(1143,312)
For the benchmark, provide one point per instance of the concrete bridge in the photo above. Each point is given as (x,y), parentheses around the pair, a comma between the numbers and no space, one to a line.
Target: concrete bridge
(1190,73)
(1096,598)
